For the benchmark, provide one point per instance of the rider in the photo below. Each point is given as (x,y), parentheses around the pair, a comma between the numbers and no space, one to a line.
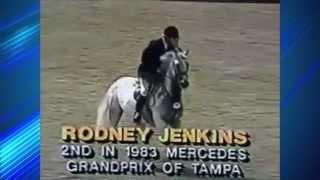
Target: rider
(150,62)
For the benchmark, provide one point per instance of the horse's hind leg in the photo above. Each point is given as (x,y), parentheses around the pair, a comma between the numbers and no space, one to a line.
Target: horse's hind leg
(115,111)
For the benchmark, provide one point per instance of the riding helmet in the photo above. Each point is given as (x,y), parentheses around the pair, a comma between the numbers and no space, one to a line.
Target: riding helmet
(171,32)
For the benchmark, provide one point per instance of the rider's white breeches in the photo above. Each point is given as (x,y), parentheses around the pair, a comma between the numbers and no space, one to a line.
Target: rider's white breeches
(143,91)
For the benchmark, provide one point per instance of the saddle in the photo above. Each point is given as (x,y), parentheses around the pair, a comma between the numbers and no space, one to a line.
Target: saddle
(137,93)
(146,111)
(137,90)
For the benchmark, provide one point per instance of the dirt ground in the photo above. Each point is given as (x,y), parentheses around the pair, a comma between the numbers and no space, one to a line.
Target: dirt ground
(234,69)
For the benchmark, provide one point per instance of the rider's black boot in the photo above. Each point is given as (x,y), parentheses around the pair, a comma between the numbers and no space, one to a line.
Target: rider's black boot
(139,105)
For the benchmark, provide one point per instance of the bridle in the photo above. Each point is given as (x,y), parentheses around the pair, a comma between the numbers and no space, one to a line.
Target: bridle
(177,70)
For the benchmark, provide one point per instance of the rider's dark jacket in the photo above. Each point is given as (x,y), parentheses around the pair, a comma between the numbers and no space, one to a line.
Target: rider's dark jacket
(150,60)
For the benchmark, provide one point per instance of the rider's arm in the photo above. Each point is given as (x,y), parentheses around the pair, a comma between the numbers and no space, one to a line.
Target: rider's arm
(151,56)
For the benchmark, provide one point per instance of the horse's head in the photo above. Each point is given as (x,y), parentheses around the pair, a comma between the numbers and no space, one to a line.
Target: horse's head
(174,65)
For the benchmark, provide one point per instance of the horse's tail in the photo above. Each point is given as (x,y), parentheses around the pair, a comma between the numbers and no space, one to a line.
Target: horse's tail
(103,111)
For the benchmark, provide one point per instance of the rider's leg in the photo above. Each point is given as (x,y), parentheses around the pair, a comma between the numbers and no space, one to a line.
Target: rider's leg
(141,98)
(139,105)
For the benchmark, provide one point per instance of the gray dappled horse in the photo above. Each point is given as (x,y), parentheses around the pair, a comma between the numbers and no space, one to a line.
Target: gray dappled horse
(159,111)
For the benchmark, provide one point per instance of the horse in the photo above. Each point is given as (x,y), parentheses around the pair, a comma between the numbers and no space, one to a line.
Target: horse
(159,111)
